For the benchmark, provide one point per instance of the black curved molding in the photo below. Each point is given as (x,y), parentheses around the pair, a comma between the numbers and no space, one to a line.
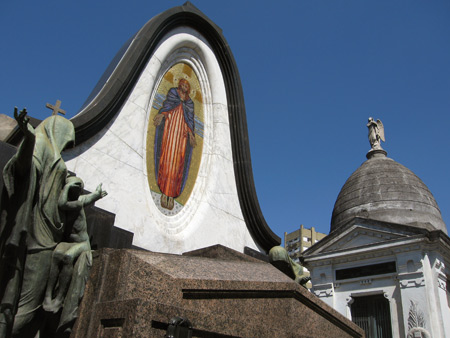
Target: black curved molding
(109,100)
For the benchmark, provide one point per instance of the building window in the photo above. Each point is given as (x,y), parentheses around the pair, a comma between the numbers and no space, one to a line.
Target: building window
(367,270)
(373,315)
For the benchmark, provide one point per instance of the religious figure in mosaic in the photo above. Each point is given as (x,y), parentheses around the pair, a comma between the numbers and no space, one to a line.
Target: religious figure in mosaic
(174,142)
(376,133)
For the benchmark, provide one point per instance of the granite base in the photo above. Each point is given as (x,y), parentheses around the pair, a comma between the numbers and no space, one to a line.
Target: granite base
(133,293)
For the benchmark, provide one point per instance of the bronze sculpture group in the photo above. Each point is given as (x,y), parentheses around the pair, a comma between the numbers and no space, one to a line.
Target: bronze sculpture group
(44,248)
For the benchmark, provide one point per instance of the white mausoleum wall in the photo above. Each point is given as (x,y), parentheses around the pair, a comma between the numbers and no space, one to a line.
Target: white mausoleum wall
(438,297)
(420,280)
(346,290)
(116,156)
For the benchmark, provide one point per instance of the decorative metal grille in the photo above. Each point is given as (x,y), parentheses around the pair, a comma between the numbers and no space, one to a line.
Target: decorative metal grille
(372,314)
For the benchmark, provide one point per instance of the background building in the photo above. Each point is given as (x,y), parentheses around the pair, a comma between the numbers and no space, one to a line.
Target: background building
(385,264)
(299,240)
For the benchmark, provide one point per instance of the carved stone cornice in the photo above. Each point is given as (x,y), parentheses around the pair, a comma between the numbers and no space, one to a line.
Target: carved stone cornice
(364,253)
(411,279)
(323,290)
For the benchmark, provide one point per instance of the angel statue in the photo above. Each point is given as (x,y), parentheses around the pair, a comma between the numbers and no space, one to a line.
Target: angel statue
(376,133)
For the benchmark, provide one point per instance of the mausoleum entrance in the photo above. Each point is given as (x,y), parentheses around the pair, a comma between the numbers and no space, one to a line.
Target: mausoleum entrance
(372,314)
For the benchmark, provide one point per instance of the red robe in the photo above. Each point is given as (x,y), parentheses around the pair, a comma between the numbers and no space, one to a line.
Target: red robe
(173,150)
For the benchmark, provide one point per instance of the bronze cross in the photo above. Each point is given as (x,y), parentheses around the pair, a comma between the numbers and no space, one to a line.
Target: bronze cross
(56,108)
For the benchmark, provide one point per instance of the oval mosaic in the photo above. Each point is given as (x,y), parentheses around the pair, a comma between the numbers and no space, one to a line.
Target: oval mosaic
(175,138)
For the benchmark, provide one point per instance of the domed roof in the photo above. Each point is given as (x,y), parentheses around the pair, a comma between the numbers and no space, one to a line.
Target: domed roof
(382,189)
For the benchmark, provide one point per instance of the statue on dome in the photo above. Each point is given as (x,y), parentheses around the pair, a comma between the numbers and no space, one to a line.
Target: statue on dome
(376,133)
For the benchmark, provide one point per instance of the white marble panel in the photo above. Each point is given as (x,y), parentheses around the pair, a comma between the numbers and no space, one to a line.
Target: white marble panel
(222,145)
(220,113)
(116,156)
(140,96)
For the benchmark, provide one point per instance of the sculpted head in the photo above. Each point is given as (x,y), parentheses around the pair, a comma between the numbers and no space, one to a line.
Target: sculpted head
(76,186)
(58,132)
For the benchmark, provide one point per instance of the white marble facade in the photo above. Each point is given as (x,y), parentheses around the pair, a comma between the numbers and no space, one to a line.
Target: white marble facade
(418,287)
(116,156)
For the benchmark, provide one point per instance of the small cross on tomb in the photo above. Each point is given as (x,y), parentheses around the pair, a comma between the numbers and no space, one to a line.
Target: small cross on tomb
(56,108)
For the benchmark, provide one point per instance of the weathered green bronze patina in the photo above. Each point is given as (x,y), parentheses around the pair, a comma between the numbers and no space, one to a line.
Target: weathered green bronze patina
(71,203)
(32,225)
(279,258)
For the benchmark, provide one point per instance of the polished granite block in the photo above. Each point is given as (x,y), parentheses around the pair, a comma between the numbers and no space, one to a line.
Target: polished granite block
(134,293)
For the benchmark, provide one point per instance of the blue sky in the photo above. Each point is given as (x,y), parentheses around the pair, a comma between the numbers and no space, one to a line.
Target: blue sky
(312,73)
